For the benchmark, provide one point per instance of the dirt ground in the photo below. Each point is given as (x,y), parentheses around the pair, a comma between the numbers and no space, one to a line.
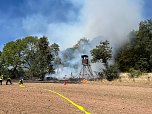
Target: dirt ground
(95,97)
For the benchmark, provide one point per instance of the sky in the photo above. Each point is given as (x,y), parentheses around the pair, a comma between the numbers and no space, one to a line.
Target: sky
(66,21)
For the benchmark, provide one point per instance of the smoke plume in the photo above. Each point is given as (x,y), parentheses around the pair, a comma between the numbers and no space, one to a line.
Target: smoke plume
(112,20)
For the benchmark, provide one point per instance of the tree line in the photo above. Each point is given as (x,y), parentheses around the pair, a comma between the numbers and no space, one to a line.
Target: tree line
(30,56)
(134,56)
(137,53)
(36,57)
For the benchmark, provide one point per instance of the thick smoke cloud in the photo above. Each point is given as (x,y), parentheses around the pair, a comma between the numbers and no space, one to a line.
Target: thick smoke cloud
(95,19)
(112,20)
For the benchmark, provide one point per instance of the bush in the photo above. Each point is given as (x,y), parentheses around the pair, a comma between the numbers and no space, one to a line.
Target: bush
(110,73)
(134,73)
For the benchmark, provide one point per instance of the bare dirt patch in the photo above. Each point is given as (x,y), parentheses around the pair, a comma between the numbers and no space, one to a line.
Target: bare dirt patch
(96,98)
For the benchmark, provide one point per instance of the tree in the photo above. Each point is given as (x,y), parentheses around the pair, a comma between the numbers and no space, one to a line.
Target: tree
(55,49)
(19,54)
(1,63)
(10,56)
(137,53)
(144,45)
(82,42)
(102,53)
(55,52)
(111,72)
(134,73)
(126,58)
(44,58)
(30,55)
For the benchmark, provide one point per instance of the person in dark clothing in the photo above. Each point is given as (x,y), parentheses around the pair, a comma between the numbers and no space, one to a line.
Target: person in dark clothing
(8,80)
(21,81)
(21,78)
(1,79)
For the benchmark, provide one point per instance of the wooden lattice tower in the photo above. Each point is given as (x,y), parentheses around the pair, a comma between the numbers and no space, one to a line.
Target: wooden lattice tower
(86,71)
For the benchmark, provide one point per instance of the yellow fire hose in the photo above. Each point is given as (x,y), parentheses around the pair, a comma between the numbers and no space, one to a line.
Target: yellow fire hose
(73,103)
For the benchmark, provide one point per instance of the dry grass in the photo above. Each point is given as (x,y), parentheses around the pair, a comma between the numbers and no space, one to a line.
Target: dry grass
(96,97)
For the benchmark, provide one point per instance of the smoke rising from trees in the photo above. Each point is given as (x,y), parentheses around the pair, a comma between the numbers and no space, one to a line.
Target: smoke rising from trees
(96,20)
(112,20)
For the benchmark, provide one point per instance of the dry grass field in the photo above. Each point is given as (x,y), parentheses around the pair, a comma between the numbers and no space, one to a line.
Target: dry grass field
(104,97)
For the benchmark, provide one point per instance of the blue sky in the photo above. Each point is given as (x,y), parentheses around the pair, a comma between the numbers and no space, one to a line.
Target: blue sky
(20,18)
(13,13)
(148,9)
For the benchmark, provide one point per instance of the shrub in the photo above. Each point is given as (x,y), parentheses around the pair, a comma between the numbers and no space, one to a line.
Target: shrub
(110,73)
(134,73)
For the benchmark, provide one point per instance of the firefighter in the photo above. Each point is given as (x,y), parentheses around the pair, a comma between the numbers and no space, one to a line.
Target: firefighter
(1,79)
(21,81)
(21,78)
(8,80)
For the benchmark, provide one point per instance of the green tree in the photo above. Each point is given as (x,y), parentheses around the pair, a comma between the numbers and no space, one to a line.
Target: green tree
(143,46)
(44,58)
(102,53)
(110,73)
(10,56)
(137,53)
(1,63)
(30,54)
(55,49)
(55,52)
(19,54)
(134,73)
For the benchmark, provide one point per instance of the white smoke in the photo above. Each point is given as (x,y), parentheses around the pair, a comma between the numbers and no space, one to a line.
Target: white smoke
(112,20)
(1,47)
(106,19)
